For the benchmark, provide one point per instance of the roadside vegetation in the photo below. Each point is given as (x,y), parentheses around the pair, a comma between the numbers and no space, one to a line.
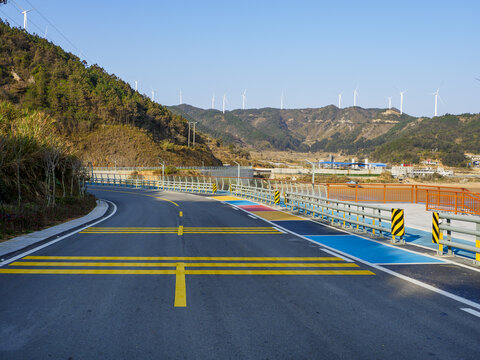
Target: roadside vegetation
(40,177)
(98,111)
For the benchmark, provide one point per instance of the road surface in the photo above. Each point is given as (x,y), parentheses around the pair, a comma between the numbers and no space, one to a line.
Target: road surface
(179,276)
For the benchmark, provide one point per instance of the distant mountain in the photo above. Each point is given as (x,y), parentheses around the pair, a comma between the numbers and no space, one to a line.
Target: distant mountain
(85,100)
(383,134)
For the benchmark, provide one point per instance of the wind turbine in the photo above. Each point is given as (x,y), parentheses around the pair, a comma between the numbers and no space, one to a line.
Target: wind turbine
(223,102)
(389,102)
(340,100)
(401,101)
(136,85)
(244,96)
(437,96)
(355,93)
(181,99)
(24,12)
(281,102)
(213,101)
(153,95)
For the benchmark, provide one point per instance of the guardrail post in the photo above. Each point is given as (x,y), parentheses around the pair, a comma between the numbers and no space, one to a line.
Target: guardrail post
(449,237)
(477,244)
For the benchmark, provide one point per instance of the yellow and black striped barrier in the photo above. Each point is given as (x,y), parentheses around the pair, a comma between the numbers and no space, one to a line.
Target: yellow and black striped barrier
(436,233)
(276,197)
(398,223)
(214,188)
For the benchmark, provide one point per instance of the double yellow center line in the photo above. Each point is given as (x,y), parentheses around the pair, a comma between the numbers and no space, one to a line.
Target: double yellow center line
(180,230)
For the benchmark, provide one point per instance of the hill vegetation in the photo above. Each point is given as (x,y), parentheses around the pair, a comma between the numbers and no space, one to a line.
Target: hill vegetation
(379,134)
(37,75)
(40,177)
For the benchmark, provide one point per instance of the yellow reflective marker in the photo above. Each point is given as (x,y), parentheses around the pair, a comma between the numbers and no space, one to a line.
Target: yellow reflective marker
(180,287)
(180,230)
(180,214)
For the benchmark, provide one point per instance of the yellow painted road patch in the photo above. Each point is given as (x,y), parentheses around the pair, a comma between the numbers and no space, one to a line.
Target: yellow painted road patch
(226,198)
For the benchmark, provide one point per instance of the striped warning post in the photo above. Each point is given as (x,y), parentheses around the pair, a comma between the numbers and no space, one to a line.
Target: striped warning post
(214,188)
(398,223)
(276,198)
(435,228)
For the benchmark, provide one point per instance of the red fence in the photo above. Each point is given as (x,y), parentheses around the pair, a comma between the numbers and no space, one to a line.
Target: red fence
(457,200)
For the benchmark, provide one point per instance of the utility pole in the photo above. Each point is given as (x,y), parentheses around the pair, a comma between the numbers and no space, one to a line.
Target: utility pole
(194,133)
(238,172)
(313,174)
(189,133)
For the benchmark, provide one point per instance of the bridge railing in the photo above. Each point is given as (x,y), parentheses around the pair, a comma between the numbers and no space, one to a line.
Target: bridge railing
(471,234)
(347,214)
(265,195)
(165,184)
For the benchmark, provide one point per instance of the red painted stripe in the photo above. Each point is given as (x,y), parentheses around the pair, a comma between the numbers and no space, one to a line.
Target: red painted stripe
(255,208)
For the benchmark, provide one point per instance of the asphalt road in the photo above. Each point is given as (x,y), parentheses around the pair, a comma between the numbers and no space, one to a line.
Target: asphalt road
(131,294)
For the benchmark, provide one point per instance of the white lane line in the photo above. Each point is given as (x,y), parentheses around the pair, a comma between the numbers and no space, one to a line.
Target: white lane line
(471,311)
(386,270)
(276,228)
(412,263)
(234,208)
(253,217)
(336,254)
(8,261)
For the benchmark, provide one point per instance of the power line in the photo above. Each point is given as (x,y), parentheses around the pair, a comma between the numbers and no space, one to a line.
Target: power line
(52,25)
(10,18)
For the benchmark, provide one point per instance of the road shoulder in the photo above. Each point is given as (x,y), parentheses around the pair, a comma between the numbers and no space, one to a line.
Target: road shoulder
(21,243)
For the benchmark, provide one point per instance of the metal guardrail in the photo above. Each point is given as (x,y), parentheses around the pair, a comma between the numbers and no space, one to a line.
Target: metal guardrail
(445,225)
(264,195)
(350,215)
(185,186)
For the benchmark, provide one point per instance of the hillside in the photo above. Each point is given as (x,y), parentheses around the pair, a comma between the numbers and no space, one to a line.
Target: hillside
(37,75)
(325,129)
(380,134)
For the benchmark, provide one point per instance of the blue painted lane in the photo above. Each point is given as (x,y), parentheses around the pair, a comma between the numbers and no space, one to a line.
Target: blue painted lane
(307,227)
(240,202)
(372,251)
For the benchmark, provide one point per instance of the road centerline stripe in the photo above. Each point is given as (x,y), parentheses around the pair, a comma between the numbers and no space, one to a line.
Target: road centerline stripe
(180,286)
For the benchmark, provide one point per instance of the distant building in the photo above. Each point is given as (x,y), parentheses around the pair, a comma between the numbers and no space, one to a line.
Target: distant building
(411,171)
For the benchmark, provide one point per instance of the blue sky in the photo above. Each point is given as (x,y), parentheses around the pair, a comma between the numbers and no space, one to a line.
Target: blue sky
(309,50)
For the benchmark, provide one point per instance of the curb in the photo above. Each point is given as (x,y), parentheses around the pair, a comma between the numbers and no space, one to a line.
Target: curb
(22,243)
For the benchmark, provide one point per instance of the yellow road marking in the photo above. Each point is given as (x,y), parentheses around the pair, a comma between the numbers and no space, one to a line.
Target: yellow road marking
(166,264)
(187,272)
(180,230)
(278,272)
(226,198)
(87,271)
(182,258)
(176,230)
(175,227)
(180,287)
(180,214)
(134,193)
